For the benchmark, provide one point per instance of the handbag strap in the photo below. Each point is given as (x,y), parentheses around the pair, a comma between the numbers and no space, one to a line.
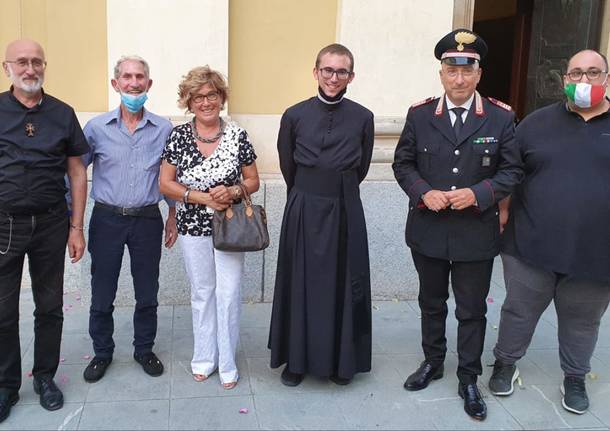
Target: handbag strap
(245,194)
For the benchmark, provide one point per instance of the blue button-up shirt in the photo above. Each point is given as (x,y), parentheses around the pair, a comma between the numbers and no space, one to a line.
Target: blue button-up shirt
(125,165)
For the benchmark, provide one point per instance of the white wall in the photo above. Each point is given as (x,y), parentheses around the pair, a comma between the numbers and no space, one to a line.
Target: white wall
(173,37)
(393,44)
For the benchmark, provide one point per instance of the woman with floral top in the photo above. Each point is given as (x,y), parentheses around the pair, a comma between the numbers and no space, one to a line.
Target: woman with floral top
(203,161)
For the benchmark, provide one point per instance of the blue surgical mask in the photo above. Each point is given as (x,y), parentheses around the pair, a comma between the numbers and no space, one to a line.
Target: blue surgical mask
(133,103)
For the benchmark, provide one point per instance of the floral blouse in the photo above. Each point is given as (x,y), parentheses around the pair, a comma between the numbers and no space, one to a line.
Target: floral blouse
(194,170)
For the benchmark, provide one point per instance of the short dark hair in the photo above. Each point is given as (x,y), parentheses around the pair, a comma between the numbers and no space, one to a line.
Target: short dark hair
(338,49)
(590,50)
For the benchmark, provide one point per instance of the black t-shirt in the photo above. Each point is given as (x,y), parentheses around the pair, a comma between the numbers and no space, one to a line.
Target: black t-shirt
(560,213)
(34,146)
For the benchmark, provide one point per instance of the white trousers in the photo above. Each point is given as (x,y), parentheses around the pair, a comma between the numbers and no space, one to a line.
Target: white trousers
(215,278)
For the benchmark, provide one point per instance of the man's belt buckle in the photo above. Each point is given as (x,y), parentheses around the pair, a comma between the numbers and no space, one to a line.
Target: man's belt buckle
(124,211)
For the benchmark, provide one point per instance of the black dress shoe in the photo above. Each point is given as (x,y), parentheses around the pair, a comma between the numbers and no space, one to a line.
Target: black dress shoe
(339,380)
(96,369)
(474,405)
(291,379)
(51,397)
(422,377)
(7,400)
(150,363)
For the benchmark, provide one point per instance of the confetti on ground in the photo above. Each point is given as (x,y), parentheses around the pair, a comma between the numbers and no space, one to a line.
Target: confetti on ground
(78,298)
(375,307)
(29,374)
(87,357)
(490,300)
(243,410)
(62,359)
(520,382)
(494,327)
(395,300)
(592,376)
(63,379)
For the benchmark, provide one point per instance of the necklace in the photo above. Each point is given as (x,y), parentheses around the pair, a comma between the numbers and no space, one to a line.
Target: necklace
(211,140)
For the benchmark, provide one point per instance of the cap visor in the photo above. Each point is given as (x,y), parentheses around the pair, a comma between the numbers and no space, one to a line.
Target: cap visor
(459,61)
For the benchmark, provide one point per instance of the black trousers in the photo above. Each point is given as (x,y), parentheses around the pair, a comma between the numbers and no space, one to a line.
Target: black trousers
(43,238)
(470,282)
(108,235)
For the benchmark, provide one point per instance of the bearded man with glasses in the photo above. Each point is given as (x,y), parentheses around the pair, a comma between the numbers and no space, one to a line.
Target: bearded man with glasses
(557,235)
(321,319)
(456,158)
(40,141)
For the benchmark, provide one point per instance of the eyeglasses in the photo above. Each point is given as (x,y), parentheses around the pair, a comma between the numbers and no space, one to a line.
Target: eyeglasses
(199,98)
(328,72)
(466,73)
(592,74)
(24,63)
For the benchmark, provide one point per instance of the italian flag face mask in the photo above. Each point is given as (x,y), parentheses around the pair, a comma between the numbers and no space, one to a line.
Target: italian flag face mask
(585,95)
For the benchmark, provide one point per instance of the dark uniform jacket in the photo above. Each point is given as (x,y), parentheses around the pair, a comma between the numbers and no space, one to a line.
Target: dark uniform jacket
(484,158)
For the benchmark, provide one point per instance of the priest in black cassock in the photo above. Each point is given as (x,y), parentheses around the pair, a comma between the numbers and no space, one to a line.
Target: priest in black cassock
(321,319)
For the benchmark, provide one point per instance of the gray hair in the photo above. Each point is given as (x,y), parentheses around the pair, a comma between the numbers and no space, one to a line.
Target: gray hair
(124,58)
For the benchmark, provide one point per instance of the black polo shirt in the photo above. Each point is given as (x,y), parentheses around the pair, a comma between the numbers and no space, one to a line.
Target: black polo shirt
(34,146)
(560,214)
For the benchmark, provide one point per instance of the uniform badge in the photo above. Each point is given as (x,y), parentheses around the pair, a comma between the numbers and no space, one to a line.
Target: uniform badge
(30,129)
(464,37)
(486,161)
(500,104)
(485,140)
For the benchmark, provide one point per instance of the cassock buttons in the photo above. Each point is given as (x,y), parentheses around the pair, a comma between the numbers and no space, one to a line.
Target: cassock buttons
(455,170)
(453,187)
(456,152)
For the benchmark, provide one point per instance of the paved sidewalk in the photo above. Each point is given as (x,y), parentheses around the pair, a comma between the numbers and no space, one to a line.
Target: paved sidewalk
(126,398)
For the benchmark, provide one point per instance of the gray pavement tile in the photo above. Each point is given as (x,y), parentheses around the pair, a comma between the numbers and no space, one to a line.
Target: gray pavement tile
(382,410)
(254,341)
(548,361)
(397,339)
(184,386)
(603,354)
(183,318)
(599,394)
(125,415)
(257,315)
(127,381)
(33,417)
(393,313)
(300,411)
(539,407)
(213,413)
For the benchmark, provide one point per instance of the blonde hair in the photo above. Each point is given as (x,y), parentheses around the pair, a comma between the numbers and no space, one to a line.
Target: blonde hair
(197,78)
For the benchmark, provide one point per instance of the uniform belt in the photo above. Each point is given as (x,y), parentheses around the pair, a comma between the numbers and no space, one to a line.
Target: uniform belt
(146,211)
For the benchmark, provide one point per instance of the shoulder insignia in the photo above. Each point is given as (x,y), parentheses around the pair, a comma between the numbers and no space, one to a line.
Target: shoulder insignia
(502,105)
(423,102)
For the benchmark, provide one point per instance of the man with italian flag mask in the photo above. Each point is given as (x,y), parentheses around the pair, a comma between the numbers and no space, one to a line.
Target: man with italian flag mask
(556,241)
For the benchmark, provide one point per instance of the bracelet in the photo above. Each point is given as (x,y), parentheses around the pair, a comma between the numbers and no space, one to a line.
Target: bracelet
(73,226)
(185,197)
(236,192)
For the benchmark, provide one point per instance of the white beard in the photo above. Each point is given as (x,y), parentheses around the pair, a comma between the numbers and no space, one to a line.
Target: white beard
(28,88)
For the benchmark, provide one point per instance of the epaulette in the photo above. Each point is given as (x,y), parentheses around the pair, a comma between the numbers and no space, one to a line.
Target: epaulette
(423,102)
(502,105)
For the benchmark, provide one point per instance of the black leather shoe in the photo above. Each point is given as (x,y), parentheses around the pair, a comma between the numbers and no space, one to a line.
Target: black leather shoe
(51,397)
(96,369)
(421,378)
(291,379)
(339,380)
(7,400)
(150,363)
(474,405)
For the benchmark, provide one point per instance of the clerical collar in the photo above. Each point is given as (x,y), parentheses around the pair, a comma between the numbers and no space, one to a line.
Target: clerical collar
(466,105)
(331,100)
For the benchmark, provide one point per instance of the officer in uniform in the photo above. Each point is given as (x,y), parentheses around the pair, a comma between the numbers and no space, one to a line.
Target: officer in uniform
(456,158)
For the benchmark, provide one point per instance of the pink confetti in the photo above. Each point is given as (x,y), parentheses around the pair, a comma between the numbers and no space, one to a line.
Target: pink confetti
(78,298)
(66,308)
(87,357)
(243,410)
(63,379)
(29,374)
(490,300)
(62,359)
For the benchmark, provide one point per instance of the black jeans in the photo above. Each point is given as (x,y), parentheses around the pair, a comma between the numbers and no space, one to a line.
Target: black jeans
(108,235)
(43,238)
(470,282)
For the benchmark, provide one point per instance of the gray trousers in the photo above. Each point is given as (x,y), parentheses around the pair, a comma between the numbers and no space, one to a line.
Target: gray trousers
(580,305)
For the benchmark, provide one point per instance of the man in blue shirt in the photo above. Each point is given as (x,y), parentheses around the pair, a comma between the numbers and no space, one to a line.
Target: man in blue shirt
(126,146)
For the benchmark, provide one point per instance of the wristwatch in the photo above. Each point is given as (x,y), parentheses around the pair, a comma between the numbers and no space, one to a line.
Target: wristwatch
(236,191)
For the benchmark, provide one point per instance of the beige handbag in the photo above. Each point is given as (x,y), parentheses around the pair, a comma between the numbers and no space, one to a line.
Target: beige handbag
(241,227)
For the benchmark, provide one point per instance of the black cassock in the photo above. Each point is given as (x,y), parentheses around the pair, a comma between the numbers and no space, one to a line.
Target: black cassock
(321,319)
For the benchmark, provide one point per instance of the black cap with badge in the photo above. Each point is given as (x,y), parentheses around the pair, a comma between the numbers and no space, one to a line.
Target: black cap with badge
(460,47)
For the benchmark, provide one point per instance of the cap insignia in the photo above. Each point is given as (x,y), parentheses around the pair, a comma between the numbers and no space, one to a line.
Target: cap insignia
(463,37)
